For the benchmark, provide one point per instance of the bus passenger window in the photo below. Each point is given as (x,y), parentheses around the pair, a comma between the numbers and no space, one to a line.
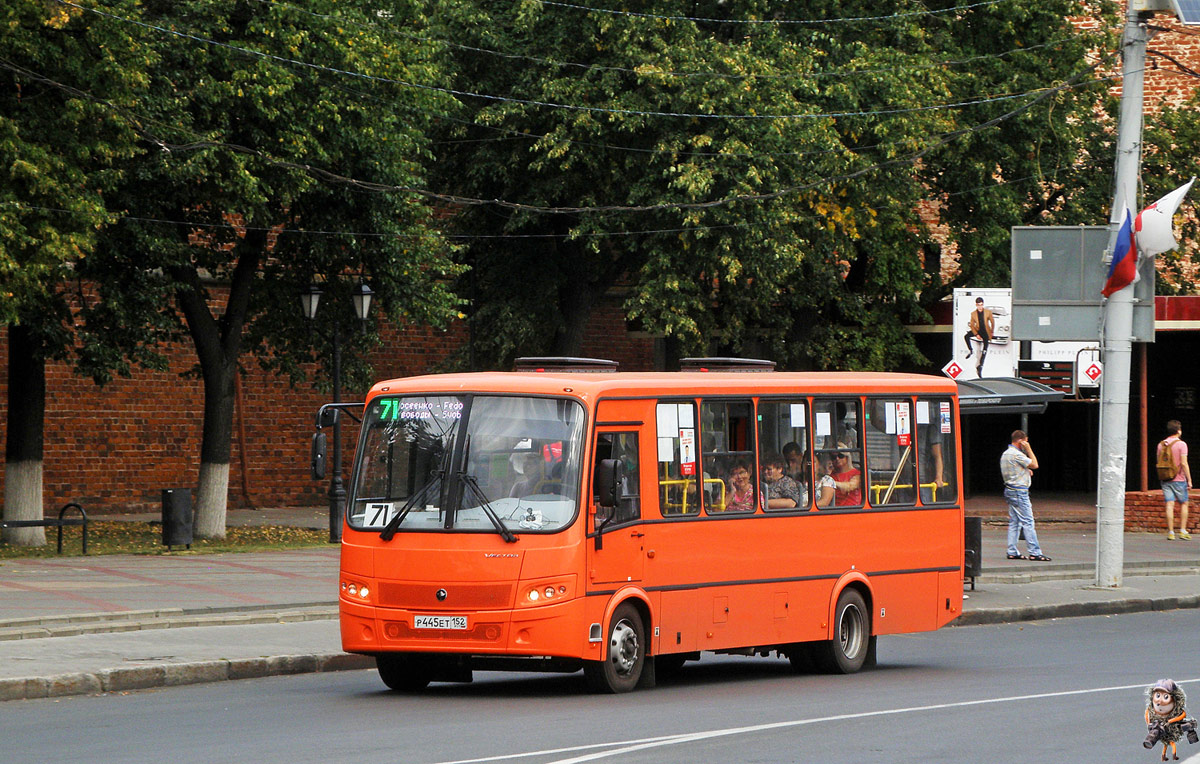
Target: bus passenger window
(937,464)
(891,471)
(623,447)
(783,431)
(729,480)
(835,425)
(675,428)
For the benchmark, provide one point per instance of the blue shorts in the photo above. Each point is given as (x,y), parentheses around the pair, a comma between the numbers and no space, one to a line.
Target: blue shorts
(1175,490)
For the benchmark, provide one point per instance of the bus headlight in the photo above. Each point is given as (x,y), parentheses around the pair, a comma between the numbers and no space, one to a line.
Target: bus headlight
(356,591)
(546,592)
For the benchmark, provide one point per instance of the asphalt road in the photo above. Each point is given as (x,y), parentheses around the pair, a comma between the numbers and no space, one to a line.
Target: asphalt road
(1066,690)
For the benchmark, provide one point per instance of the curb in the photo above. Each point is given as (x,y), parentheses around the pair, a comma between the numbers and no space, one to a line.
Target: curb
(169,618)
(992,616)
(174,675)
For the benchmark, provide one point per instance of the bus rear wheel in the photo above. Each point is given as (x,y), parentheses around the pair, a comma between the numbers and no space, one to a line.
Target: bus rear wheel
(852,641)
(626,656)
(403,673)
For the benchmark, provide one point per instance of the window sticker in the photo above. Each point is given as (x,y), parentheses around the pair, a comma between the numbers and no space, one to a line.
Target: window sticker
(668,420)
(666,449)
(824,424)
(903,426)
(889,417)
(945,412)
(922,412)
(686,411)
(687,451)
(796,414)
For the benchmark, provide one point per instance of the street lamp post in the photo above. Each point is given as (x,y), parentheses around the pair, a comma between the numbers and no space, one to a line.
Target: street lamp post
(309,300)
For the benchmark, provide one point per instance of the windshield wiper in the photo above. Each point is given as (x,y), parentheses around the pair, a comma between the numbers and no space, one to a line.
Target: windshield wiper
(437,478)
(470,482)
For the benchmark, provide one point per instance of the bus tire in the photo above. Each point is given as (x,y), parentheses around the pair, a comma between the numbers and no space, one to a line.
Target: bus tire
(622,667)
(847,651)
(402,673)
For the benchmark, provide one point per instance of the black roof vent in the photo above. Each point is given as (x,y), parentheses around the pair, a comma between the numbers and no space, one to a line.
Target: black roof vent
(564,363)
(725,364)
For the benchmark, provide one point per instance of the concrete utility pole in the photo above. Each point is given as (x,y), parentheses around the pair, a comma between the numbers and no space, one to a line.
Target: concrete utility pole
(1118,316)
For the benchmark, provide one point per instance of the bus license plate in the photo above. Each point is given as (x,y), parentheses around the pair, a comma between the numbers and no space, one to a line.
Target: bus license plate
(439,622)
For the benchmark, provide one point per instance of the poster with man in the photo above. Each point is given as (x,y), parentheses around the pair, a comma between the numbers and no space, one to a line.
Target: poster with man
(982,332)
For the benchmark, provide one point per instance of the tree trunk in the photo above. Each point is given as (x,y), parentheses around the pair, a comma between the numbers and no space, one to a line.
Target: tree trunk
(212,498)
(23,446)
(218,345)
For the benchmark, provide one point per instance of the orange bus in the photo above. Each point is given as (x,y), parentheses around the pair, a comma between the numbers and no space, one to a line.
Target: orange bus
(558,518)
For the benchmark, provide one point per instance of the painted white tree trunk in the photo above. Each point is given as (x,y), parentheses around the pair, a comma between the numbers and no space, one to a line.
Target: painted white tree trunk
(23,501)
(211,501)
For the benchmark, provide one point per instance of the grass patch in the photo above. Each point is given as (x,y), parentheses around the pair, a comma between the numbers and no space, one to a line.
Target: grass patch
(116,537)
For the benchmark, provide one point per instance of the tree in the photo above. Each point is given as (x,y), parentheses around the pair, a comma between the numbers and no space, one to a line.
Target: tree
(58,147)
(756,186)
(261,134)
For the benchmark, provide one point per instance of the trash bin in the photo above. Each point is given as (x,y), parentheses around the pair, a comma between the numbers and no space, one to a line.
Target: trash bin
(973,548)
(177,517)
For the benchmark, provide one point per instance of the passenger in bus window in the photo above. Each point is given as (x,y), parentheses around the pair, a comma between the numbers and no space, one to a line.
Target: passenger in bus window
(933,469)
(847,478)
(826,486)
(527,466)
(783,492)
(741,489)
(795,462)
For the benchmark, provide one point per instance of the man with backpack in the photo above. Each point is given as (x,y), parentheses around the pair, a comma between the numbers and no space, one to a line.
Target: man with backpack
(1172,467)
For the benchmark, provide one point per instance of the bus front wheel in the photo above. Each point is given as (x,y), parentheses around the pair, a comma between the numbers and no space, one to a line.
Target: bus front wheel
(403,673)
(852,641)
(622,667)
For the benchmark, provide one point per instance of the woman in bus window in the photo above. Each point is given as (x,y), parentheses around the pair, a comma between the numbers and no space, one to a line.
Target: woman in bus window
(782,492)
(847,479)
(741,493)
(826,487)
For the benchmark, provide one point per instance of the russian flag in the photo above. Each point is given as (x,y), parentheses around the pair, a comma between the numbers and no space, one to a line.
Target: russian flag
(1123,270)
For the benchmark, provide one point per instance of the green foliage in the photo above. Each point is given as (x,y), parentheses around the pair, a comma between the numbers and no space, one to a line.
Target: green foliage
(1168,162)
(254,161)
(59,147)
(814,251)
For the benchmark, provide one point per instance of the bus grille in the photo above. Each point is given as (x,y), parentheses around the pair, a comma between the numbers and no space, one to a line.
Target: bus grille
(458,596)
(481,632)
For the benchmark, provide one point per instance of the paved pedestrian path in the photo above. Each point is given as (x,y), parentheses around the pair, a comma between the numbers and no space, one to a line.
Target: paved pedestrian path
(72,625)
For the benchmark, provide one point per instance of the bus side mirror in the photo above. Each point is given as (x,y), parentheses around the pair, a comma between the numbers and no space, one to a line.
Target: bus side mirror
(318,455)
(608,481)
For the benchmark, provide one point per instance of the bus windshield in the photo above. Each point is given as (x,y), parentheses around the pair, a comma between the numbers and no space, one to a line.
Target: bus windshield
(504,464)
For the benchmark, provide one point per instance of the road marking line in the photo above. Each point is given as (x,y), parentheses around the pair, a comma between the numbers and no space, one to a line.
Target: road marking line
(630,746)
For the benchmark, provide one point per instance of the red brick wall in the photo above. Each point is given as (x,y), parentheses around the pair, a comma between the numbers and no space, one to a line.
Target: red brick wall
(115,448)
(1145,511)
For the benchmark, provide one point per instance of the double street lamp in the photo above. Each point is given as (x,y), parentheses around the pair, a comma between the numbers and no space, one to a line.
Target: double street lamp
(309,299)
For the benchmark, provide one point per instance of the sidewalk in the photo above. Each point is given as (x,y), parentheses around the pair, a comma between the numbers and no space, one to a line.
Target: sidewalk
(77,625)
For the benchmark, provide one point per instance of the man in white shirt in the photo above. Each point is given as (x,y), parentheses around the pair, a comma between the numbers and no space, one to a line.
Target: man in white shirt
(1017,464)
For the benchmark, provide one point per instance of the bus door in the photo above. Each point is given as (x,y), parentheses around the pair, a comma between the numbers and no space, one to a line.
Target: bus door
(616,548)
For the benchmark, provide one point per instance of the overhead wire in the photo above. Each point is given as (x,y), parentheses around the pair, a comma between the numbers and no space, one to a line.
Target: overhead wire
(469,201)
(840,20)
(660,73)
(546,104)
(501,236)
